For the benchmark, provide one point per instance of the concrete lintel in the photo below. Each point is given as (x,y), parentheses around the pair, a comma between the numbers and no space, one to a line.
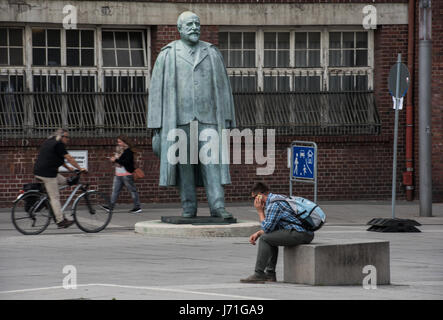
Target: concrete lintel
(247,14)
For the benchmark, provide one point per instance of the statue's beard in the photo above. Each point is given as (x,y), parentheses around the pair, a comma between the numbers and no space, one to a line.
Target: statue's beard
(192,37)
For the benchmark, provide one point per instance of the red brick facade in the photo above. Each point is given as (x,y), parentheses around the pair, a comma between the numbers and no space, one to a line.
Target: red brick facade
(349,167)
(274,1)
(437,101)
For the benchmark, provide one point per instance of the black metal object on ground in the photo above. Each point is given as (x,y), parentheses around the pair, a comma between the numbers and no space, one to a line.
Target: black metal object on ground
(393,225)
(197,220)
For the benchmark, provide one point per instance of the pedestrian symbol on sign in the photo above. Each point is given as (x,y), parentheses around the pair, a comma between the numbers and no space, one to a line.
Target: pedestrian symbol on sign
(303,162)
(302,159)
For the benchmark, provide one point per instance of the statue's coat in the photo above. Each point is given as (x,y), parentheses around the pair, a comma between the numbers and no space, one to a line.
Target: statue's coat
(162,105)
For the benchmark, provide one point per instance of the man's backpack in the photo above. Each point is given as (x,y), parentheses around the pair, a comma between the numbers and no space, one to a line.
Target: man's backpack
(309,213)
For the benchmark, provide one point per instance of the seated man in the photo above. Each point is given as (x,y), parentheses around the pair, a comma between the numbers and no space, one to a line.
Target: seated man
(279,226)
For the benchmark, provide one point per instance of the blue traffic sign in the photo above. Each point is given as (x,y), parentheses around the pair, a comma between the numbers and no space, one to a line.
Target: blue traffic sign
(303,162)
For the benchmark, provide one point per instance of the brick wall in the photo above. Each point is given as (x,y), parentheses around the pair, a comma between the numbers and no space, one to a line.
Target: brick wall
(275,1)
(437,100)
(349,168)
(162,35)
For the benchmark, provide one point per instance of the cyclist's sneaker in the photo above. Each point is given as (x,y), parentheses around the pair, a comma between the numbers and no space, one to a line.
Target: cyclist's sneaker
(65,224)
(106,208)
(135,210)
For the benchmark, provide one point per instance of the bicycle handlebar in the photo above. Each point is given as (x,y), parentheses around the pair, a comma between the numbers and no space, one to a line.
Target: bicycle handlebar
(79,172)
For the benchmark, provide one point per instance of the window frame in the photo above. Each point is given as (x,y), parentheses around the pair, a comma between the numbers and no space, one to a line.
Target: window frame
(277,49)
(242,49)
(144,48)
(8,46)
(324,70)
(46,47)
(369,69)
(80,47)
(30,70)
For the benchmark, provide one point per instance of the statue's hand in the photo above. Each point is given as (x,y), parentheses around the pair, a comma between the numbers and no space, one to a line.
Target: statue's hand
(156,142)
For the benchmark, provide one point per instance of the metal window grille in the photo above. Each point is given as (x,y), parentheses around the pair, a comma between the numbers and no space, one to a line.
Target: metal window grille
(88,113)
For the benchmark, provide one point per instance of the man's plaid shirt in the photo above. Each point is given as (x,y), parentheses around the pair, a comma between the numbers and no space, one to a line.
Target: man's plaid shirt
(279,215)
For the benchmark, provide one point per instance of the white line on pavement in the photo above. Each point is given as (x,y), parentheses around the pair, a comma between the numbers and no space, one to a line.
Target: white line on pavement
(140,288)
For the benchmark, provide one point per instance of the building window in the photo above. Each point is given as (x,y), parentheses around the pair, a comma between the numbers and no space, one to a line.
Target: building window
(307,49)
(11,83)
(125,83)
(276,49)
(81,111)
(80,48)
(46,48)
(307,83)
(11,105)
(348,49)
(80,83)
(47,83)
(298,60)
(274,83)
(123,49)
(348,82)
(238,49)
(11,46)
(243,82)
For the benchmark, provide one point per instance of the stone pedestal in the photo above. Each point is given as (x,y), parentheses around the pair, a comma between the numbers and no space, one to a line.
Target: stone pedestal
(337,262)
(198,220)
(161,229)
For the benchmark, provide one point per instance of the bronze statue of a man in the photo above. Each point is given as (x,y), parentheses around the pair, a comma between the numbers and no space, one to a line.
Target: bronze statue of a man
(189,86)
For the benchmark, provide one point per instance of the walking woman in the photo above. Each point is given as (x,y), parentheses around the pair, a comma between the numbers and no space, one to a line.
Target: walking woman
(124,161)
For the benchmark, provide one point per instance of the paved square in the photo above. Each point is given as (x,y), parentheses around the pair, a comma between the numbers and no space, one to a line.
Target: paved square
(118,263)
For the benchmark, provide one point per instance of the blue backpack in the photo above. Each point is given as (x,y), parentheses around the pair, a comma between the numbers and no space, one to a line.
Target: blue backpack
(309,213)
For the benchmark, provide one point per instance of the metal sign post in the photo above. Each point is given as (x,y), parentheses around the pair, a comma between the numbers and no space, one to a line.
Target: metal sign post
(303,164)
(398,83)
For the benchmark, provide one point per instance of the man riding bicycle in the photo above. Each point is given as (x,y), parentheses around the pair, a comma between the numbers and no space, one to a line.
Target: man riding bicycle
(52,155)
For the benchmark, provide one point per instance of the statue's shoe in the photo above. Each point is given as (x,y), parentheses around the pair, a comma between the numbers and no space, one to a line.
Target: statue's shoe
(221,212)
(189,214)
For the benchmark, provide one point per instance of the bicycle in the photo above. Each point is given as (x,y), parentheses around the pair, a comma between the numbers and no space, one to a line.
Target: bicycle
(32,212)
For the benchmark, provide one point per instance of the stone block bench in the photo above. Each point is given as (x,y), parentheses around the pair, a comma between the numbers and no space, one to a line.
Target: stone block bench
(338,262)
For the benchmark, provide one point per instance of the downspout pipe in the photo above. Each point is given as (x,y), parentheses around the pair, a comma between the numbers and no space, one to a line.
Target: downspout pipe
(408,176)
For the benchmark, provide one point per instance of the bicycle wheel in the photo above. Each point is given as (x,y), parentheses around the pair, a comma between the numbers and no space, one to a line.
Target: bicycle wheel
(91,213)
(31,216)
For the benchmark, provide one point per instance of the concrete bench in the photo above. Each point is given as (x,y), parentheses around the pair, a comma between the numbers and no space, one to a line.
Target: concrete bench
(336,262)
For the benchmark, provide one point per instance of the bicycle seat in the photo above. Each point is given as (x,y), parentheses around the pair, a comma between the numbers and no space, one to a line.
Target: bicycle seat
(34,186)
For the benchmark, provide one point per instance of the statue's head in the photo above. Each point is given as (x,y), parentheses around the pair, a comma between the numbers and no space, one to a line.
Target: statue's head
(188,24)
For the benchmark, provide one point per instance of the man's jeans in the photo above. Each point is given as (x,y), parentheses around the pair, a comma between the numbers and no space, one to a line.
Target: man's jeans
(268,247)
(118,183)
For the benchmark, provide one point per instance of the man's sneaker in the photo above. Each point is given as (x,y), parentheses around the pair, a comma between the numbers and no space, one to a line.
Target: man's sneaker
(271,276)
(65,223)
(106,208)
(255,278)
(135,210)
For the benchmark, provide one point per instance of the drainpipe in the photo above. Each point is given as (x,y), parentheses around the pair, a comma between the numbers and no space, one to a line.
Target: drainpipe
(408,179)
(425,107)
